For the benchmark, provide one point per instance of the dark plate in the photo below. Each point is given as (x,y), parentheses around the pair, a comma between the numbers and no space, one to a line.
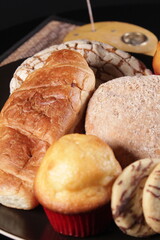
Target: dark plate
(33,224)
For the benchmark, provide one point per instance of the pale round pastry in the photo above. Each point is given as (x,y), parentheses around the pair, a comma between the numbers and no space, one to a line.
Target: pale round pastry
(151,199)
(76,174)
(106,61)
(125,113)
(126,200)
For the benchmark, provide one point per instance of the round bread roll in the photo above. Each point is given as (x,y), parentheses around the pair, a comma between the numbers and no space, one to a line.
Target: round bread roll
(125,113)
(76,174)
(106,61)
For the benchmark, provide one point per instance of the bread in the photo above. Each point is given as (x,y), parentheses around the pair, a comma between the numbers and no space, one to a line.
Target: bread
(125,113)
(106,61)
(49,104)
(76,174)
(74,183)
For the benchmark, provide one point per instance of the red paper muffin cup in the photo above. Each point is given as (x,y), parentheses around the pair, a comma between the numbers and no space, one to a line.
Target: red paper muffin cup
(81,224)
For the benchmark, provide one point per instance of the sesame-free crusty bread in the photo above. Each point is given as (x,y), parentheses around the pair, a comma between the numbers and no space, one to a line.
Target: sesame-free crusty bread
(106,61)
(125,113)
(49,104)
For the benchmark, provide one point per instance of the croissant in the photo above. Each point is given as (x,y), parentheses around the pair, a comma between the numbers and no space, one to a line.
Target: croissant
(49,104)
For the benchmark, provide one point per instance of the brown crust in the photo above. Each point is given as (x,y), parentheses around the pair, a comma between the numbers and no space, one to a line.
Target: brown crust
(48,105)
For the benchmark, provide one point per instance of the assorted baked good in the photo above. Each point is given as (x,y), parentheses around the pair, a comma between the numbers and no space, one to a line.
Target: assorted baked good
(127,194)
(151,200)
(74,183)
(135,198)
(49,95)
(49,104)
(106,61)
(125,113)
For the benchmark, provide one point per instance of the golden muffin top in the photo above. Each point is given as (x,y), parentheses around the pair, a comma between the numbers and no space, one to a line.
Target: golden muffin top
(76,174)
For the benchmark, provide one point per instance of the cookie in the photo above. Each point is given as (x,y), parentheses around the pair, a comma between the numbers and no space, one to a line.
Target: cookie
(126,200)
(151,199)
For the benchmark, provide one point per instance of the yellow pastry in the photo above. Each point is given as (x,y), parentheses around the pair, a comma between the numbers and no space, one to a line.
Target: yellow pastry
(76,177)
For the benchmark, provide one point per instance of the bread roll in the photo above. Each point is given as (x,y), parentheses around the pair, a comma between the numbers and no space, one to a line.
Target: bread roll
(49,104)
(125,113)
(106,61)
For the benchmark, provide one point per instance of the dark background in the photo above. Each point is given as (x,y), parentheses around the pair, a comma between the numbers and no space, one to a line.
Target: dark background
(19,17)
(13,12)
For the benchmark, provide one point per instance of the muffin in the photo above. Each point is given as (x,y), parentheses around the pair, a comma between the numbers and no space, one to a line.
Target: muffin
(74,183)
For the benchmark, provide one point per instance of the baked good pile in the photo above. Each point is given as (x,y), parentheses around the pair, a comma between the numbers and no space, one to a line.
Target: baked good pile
(80,135)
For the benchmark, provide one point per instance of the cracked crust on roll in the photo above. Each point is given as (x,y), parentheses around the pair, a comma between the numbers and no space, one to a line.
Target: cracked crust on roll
(106,61)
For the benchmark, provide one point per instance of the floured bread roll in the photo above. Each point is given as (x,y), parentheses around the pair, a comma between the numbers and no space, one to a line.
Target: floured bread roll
(125,113)
(48,105)
(106,61)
